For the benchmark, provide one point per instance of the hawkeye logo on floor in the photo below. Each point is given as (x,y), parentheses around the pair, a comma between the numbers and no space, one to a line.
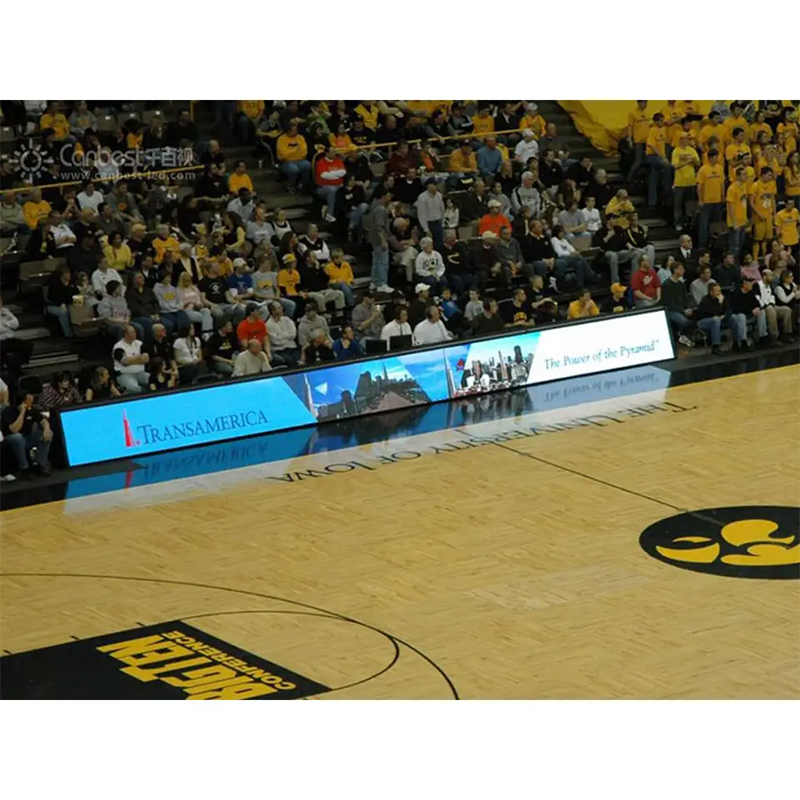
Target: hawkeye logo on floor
(738,542)
(170,661)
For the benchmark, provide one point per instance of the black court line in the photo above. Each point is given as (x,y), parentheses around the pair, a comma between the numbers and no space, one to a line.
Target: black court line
(263,596)
(609,484)
(326,615)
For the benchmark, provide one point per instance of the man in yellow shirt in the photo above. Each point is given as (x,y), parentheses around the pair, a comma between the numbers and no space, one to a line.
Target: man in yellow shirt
(483,121)
(685,162)
(735,151)
(672,118)
(736,199)
(710,196)
(463,164)
(638,128)
(533,120)
(340,275)
(35,209)
(677,131)
(292,153)
(736,120)
(239,179)
(762,201)
(656,158)
(250,113)
(583,307)
(787,221)
(711,128)
(55,121)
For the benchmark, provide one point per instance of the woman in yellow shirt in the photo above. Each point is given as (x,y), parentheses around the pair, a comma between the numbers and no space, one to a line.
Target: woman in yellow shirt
(789,129)
(117,254)
(760,126)
(791,175)
(341,139)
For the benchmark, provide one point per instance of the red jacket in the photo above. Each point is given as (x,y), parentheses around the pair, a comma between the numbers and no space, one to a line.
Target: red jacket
(329,173)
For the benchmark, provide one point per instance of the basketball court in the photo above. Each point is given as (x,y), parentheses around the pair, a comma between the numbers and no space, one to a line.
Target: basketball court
(533,556)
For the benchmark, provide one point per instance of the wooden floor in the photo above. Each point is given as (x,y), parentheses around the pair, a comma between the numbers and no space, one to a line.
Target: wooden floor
(483,569)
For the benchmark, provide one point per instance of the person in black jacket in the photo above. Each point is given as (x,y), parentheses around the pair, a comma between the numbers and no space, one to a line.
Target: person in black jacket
(540,258)
(489,321)
(550,171)
(472,205)
(617,248)
(714,312)
(42,243)
(144,306)
(60,291)
(745,302)
(458,269)
(409,188)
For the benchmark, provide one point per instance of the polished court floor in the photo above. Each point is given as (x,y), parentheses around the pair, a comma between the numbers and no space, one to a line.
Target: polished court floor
(494,560)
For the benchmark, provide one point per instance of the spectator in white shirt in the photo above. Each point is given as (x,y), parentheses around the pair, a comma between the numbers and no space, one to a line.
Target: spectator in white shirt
(188,354)
(102,276)
(591,215)
(282,336)
(774,313)
(398,326)
(62,233)
(252,361)
(90,197)
(429,265)
(431,330)
(130,362)
(526,195)
(526,148)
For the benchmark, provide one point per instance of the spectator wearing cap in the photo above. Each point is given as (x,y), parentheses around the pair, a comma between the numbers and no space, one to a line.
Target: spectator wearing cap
(429,267)
(489,158)
(329,174)
(431,330)
(310,323)
(494,220)
(253,327)
(462,166)
(289,280)
(526,195)
(484,258)
(534,120)
(618,301)
(418,306)
(240,283)
(527,148)
(430,212)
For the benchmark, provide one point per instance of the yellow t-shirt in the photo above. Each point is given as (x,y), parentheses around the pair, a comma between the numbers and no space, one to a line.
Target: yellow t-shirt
(731,124)
(686,174)
(792,182)
(619,209)
(712,181)
(707,131)
(288,279)
(760,127)
(737,198)
(536,123)
(786,223)
(678,132)
(732,154)
(672,115)
(763,194)
(575,310)
(640,122)
(58,122)
(253,108)
(789,131)
(341,274)
(657,141)
(34,213)
(483,124)
(162,245)
(236,182)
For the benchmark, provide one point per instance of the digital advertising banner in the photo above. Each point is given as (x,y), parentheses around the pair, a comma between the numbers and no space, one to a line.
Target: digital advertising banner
(150,424)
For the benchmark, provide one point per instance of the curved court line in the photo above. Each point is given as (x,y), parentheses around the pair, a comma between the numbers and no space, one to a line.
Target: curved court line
(326,615)
(323,611)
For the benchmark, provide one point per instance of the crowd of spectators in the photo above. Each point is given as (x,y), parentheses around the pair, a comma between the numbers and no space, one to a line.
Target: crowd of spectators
(475,216)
